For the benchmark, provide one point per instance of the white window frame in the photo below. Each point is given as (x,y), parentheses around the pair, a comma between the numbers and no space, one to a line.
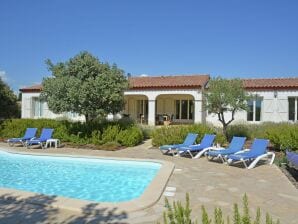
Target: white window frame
(254,109)
(40,104)
(180,109)
(295,109)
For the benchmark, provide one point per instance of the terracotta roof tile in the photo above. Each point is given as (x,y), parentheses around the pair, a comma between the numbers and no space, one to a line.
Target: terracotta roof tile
(190,81)
(35,88)
(271,83)
(181,81)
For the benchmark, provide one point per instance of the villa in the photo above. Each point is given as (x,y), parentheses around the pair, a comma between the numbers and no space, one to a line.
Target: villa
(156,100)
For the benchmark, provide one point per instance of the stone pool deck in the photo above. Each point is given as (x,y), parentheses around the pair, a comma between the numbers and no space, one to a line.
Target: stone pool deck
(208,183)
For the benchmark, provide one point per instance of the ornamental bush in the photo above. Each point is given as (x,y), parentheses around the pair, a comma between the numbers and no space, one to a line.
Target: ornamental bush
(240,130)
(17,127)
(176,134)
(110,133)
(99,132)
(180,213)
(283,136)
(130,137)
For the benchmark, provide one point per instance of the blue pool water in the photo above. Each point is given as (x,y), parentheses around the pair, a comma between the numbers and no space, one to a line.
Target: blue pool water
(100,180)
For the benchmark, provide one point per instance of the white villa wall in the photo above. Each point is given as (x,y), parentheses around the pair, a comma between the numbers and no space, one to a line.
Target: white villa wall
(273,109)
(28,109)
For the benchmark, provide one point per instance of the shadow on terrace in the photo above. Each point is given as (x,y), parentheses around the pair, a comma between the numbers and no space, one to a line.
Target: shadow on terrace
(16,211)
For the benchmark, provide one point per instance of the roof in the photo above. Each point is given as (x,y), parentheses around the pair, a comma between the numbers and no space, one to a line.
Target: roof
(177,81)
(271,83)
(35,88)
(194,81)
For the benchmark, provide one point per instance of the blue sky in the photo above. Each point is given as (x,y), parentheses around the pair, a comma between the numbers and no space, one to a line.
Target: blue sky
(230,38)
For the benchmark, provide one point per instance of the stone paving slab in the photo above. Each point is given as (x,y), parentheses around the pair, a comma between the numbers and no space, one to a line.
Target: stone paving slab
(208,183)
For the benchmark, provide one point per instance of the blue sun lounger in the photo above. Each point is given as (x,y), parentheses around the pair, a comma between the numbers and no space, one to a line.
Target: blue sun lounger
(257,152)
(292,158)
(236,145)
(195,151)
(46,134)
(29,134)
(189,140)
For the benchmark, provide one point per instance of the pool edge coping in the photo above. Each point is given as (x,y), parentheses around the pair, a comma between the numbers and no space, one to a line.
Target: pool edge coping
(149,197)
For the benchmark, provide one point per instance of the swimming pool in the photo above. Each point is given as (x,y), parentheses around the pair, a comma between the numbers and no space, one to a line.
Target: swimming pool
(99,180)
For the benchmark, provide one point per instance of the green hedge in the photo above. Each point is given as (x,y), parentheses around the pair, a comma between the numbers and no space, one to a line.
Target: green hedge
(281,135)
(176,134)
(102,132)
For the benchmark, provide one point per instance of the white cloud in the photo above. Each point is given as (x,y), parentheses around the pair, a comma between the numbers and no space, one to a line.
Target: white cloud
(3,76)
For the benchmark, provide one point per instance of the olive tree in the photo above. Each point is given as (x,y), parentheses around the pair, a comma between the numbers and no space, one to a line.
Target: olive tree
(84,85)
(9,107)
(225,97)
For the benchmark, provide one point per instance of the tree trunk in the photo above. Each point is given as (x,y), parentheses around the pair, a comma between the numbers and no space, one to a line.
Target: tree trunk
(224,130)
(87,118)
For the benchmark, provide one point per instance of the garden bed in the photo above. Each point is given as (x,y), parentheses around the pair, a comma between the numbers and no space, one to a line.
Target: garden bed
(291,173)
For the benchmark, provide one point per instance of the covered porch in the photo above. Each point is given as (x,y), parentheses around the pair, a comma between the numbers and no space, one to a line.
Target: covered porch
(163,107)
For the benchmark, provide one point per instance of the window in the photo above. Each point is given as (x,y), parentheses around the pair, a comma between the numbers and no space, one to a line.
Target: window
(177,106)
(37,107)
(142,107)
(254,112)
(293,108)
(184,109)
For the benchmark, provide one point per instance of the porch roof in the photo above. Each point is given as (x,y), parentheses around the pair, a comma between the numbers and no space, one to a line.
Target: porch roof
(177,81)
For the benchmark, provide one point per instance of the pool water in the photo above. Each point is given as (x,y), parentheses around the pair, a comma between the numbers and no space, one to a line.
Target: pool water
(100,180)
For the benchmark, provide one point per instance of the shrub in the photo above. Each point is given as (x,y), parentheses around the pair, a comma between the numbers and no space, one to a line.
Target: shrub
(147,130)
(176,134)
(130,137)
(17,127)
(76,133)
(283,136)
(96,138)
(179,214)
(110,133)
(240,130)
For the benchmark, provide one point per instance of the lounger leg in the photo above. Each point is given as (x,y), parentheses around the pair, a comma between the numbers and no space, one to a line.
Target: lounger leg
(202,152)
(222,159)
(209,157)
(189,152)
(243,161)
(175,152)
(272,154)
(229,161)
(254,163)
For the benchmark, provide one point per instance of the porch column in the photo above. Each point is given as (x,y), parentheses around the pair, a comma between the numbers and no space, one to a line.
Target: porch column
(151,112)
(198,111)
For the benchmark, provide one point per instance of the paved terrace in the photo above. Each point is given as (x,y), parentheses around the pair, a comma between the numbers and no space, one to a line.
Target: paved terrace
(208,183)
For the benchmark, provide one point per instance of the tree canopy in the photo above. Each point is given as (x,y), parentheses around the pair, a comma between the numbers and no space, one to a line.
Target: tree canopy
(84,85)
(9,107)
(225,97)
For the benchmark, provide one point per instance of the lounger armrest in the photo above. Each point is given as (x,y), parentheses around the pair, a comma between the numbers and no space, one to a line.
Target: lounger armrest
(242,151)
(215,148)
